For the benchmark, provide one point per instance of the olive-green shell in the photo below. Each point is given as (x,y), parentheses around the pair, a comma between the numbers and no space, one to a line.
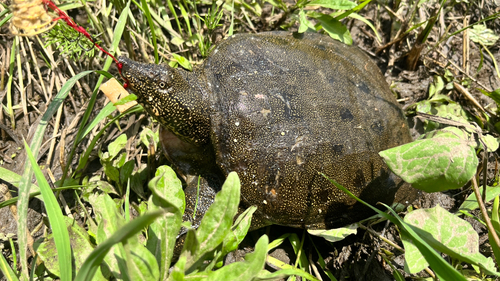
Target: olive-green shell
(284,109)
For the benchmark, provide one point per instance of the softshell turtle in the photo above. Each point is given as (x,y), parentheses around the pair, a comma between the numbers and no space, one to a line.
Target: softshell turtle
(279,109)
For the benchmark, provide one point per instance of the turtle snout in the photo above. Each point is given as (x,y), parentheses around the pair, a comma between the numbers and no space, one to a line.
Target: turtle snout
(126,65)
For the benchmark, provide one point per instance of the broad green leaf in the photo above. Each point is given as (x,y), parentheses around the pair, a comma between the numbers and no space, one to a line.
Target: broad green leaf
(218,219)
(56,219)
(109,220)
(149,137)
(451,110)
(333,4)
(490,141)
(244,270)
(167,193)
(126,171)
(336,234)
(142,264)
(481,34)
(117,145)
(80,245)
(188,256)
(238,231)
(471,204)
(138,179)
(442,269)
(454,236)
(178,270)
(335,29)
(183,62)
(305,24)
(95,258)
(444,161)
(437,86)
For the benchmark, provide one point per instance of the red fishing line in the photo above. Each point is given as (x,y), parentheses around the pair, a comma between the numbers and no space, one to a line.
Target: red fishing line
(63,16)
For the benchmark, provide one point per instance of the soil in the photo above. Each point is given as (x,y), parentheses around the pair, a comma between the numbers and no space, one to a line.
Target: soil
(354,258)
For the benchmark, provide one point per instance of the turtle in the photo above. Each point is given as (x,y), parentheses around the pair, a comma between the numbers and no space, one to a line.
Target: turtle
(280,109)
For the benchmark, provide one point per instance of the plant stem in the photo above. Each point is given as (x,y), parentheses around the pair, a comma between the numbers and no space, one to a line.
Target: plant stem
(491,229)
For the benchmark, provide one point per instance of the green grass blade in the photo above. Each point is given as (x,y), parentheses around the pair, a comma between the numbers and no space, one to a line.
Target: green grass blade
(495,220)
(25,183)
(5,19)
(95,258)
(8,273)
(33,194)
(438,264)
(56,219)
(105,112)
(152,28)
(13,178)
(83,161)
(118,32)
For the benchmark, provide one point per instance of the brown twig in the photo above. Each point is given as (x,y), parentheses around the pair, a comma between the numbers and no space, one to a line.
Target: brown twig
(491,229)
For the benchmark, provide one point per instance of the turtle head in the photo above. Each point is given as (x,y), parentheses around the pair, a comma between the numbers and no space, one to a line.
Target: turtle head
(167,96)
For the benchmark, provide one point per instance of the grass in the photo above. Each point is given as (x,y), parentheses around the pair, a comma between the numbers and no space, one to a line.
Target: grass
(183,33)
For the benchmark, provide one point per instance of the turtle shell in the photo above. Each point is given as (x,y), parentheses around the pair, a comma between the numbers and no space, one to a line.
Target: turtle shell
(286,109)
(281,110)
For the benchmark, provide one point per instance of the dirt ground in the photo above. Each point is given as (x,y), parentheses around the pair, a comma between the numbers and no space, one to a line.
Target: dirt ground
(355,258)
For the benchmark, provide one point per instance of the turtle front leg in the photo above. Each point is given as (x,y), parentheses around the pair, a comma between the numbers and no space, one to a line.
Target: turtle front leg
(196,166)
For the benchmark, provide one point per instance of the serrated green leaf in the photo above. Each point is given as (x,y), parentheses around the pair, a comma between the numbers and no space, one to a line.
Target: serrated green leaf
(123,234)
(454,236)
(244,270)
(337,234)
(218,219)
(167,193)
(445,161)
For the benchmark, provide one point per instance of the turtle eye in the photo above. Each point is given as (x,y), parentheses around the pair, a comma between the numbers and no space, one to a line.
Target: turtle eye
(162,85)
